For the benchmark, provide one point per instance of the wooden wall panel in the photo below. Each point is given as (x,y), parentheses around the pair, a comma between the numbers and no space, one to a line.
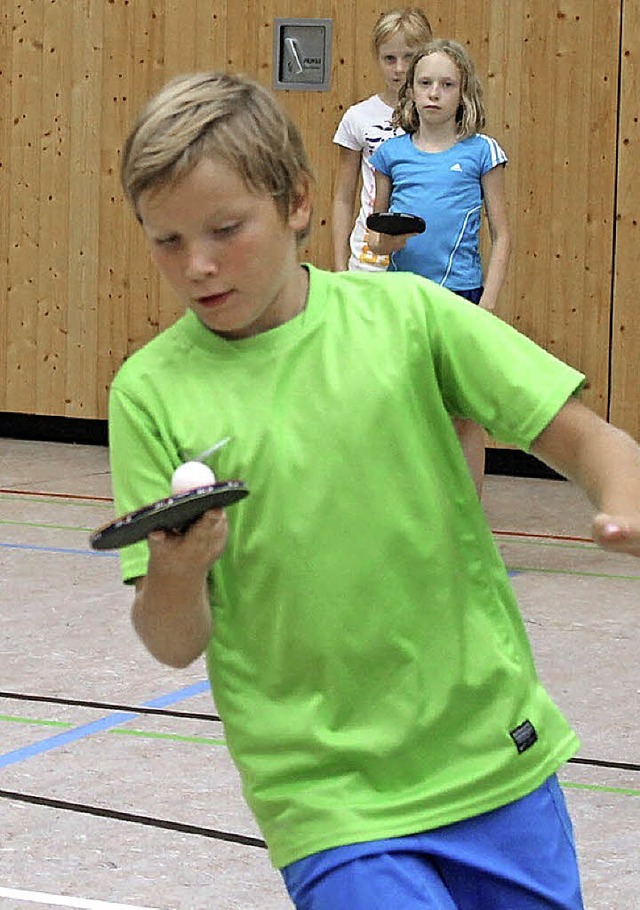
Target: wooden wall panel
(556,119)
(21,179)
(625,385)
(561,281)
(80,293)
(83,249)
(6,23)
(51,308)
(119,238)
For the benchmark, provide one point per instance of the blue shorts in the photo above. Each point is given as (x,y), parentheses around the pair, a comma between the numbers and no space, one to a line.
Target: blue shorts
(472,295)
(519,857)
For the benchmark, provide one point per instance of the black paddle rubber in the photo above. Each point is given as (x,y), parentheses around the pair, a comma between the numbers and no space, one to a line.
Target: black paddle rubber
(172,514)
(395,223)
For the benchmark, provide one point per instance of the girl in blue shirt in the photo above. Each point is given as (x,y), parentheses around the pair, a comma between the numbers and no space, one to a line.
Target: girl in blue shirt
(445,170)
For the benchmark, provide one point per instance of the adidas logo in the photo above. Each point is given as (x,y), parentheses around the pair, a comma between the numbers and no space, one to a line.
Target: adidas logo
(455,167)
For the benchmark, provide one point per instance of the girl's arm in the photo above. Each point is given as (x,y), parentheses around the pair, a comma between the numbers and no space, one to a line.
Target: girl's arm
(384,244)
(171,611)
(605,463)
(344,199)
(496,208)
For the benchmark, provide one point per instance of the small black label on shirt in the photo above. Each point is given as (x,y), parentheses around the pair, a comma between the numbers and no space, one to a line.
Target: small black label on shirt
(524,736)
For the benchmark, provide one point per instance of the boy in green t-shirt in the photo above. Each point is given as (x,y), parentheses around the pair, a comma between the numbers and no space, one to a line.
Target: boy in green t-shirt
(365,650)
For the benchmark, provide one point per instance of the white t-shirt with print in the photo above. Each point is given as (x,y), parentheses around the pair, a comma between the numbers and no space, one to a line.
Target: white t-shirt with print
(363,128)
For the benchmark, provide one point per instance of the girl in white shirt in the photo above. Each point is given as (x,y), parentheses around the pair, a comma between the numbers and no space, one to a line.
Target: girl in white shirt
(396,36)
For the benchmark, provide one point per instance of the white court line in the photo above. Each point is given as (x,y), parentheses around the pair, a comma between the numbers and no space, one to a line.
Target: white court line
(57,900)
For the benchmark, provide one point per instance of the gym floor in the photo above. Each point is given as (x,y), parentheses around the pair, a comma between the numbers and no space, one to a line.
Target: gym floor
(116,789)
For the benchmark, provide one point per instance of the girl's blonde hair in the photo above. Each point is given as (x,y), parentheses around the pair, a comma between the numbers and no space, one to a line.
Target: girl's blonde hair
(215,114)
(412,22)
(470,117)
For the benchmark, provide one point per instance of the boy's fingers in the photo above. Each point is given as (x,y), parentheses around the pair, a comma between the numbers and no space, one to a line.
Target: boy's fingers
(616,533)
(212,522)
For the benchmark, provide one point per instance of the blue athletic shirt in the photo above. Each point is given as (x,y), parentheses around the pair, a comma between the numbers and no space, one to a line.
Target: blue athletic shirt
(444,188)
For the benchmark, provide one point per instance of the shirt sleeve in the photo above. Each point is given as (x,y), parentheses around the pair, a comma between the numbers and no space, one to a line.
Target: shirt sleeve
(379,161)
(492,156)
(141,468)
(491,373)
(346,134)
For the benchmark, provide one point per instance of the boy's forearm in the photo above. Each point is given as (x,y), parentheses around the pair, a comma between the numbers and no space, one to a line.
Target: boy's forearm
(172,615)
(609,472)
(600,458)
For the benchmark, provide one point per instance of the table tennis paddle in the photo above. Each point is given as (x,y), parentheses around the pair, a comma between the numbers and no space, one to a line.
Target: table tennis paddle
(395,223)
(172,514)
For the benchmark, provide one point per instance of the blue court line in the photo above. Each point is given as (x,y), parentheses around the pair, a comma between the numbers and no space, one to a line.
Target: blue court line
(24,546)
(98,726)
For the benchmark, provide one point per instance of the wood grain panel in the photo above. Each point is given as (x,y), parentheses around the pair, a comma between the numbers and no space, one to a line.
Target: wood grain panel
(6,27)
(52,196)
(80,292)
(118,231)
(83,250)
(24,89)
(625,386)
(562,202)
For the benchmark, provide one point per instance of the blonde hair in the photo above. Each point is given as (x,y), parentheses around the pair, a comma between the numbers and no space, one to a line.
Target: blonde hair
(215,114)
(470,117)
(412,22)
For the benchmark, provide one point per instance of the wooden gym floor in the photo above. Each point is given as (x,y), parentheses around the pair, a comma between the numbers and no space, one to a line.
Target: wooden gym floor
(116,789)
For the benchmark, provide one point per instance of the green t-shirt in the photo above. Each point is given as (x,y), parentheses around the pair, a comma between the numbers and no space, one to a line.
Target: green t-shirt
(369,661)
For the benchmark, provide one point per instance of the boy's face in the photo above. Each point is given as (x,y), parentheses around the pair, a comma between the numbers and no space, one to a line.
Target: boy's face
(226,251)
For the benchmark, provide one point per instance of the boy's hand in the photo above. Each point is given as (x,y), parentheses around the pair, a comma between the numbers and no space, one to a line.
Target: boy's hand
(618,534)
(193,550)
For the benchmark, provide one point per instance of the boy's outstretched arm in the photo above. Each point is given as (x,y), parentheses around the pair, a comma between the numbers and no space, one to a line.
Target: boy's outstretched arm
(171,611)
(605,462)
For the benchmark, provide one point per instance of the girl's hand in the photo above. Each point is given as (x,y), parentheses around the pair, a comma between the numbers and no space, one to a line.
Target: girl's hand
(385,244)
(488,302)
(617,533)
(193,550)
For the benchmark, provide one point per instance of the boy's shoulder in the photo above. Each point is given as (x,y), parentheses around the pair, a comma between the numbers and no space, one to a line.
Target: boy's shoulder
(167,347)
(371,289)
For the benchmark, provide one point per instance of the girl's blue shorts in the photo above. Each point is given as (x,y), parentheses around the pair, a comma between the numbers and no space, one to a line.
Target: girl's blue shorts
(473,295)
(519,857)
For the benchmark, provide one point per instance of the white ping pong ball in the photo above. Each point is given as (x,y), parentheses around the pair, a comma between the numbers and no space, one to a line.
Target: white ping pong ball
(190,476)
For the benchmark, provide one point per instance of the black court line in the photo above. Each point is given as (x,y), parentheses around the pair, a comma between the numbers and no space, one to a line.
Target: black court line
(147,820)
(600,763)
(194,715)
(105,705)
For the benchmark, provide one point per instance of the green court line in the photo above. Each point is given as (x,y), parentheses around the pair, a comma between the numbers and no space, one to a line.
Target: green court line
(203,740)
(10,718)
(622,791)
(518,541)
(546,543)
(208,741)
(515,569)
(86,503)
(36,524)
(573,572)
